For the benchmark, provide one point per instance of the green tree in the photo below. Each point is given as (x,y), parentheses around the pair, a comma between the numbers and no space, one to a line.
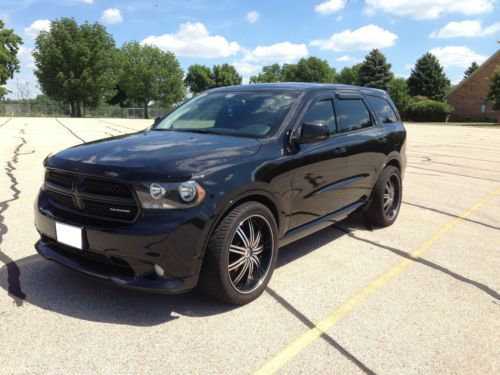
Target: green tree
(428,79)
(471,69)
(225,75)
(349,75)
(398,90)
(375,71)
(9,64)
(75,63)
(269,74)
(149,74)
(198,78)
(494,93)
(311,69)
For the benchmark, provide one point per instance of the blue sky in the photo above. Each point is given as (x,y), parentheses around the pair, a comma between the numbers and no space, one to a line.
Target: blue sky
(250,34)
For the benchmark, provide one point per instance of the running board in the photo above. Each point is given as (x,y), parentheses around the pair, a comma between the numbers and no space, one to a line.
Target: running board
(318,224)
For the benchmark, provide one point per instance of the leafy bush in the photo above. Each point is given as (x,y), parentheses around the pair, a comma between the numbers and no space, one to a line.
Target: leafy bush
(427,110)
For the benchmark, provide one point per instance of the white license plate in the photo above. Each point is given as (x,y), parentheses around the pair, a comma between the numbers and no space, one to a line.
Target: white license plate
(69,235)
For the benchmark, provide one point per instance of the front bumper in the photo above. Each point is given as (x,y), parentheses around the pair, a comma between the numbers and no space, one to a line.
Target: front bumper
(125,254)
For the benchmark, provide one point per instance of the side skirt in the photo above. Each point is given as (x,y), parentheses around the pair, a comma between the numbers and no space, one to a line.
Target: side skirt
(318,224)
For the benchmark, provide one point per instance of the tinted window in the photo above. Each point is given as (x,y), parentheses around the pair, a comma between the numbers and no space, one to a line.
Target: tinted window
(383,109)
(321,113)
(247,114)
(353,115)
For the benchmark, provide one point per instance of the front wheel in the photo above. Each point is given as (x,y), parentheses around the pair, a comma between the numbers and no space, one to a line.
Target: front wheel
(241,255)
(386,198)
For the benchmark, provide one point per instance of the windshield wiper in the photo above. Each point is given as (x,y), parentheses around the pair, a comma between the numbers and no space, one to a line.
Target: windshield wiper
(195,130)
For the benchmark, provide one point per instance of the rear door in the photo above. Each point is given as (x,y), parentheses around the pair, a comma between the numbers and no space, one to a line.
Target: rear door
(365,144)
(320,168)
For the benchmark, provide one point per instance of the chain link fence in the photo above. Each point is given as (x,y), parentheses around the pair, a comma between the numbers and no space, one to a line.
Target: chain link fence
(57,110)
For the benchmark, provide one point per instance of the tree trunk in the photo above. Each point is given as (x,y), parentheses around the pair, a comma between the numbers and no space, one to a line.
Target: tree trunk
(78,108)
(73,109)
(146,109)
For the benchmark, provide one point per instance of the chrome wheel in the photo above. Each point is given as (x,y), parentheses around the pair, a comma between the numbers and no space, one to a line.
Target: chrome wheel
(392,197)
(250,254)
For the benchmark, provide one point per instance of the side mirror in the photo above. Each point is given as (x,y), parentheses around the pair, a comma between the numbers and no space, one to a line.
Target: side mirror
(313,132)
(157,120)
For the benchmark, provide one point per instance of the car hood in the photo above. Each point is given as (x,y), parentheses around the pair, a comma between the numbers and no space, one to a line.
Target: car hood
(153,155)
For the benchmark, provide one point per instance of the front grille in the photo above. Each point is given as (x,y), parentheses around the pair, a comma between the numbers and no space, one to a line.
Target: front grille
(60,179)
(107,188)
(112,210)
(88,196)
(61,199)
(92,259)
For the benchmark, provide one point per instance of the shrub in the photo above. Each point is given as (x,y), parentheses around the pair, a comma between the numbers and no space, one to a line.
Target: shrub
(427,110)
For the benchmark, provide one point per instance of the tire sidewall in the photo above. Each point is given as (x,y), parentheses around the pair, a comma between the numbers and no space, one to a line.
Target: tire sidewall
(378,198)
(254,209)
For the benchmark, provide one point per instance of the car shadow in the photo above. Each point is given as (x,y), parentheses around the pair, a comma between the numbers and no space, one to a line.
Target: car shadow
(55,288)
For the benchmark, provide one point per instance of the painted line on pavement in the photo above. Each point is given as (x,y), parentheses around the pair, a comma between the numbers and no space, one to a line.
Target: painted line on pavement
(309,336)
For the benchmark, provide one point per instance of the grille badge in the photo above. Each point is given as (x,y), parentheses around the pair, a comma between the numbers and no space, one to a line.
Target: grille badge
(122,210)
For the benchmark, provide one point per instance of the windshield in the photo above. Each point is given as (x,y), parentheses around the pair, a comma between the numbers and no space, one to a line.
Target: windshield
(245,114)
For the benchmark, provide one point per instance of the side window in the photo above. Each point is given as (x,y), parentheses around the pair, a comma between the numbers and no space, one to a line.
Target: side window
(322,112)
(353,115)
(383,109)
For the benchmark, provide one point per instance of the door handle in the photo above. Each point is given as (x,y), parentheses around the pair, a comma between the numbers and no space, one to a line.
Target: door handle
(340,150)
(383,139)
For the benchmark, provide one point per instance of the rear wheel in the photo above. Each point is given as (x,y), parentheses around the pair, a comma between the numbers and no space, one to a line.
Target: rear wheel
(241,255)
(386,198)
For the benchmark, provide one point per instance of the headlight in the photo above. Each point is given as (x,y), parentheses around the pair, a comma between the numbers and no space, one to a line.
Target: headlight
(169,195)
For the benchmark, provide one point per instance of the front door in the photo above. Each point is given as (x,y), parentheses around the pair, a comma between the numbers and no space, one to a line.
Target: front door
(320,168)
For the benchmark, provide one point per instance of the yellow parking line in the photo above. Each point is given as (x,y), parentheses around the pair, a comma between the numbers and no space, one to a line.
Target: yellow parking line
(308,337)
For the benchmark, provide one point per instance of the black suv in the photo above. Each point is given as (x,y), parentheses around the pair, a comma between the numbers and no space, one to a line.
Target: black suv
(207,194)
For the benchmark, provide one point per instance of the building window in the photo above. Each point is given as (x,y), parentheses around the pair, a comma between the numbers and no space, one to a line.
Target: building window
(483,108)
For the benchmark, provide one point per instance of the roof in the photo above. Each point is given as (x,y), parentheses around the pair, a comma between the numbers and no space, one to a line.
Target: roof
(299,87)
(462,82)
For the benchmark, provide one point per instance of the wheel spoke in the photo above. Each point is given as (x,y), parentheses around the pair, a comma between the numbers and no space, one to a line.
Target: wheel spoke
(237,250)
(255,259)
(258,250)
(257,238)
(243,236)
(241,274)
(250,267)
(251,238)
(236,264)
(387,203)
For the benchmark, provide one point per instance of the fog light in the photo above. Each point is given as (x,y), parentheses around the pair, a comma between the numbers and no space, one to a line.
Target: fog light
(159,271)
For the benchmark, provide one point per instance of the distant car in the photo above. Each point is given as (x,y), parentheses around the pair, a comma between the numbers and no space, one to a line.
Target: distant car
(207,195)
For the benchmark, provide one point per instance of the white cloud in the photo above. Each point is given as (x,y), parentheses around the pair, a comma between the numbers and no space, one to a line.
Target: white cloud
(460,56)
(194,40)
(87,1)
(34,29)
(26,58)
(247,69)
(111,16)
(253,16)
(330,6)
(362,39)
(466,29)
(346,58)
(284,52)
(429,9)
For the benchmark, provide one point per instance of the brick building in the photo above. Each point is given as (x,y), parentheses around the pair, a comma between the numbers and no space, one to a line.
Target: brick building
(468,98)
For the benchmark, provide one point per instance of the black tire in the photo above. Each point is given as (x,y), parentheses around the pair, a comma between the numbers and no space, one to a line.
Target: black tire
(377,214)
(216,278)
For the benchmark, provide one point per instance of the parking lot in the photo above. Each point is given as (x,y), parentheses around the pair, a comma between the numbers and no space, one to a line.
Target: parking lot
(419,297)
